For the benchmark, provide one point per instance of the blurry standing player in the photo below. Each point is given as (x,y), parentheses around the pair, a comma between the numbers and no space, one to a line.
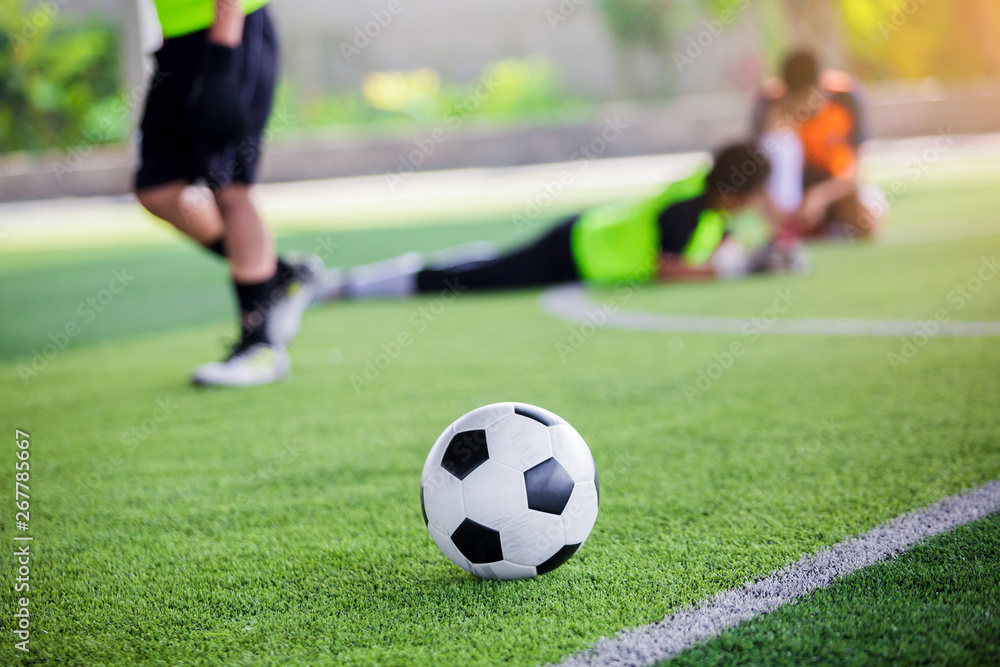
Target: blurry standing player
(810,123)
(203,122)
(679,234)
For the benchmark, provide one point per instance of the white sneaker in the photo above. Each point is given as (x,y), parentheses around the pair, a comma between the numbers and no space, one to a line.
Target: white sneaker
(284,319)
(390,278)
(782,256)
(331,288)
(469,253)
(261,363)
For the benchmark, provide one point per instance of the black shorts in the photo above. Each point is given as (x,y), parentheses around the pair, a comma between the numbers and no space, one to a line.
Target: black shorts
(168,150)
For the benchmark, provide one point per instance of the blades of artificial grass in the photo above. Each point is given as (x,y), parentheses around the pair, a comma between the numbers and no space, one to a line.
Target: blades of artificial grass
(937,603)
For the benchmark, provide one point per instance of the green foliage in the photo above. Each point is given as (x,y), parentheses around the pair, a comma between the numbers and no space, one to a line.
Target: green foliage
(57,83)
(636,22)
(506,90)
(898,39)
(882,39)
(655,23)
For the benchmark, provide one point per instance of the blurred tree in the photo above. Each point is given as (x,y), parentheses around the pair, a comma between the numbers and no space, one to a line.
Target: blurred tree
(877,39)
(637,22)
(652,27)
(57,85)
(919,38)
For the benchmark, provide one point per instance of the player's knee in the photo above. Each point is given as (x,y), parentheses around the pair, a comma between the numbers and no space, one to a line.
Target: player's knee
(868,224)
(156,199)
(232,198)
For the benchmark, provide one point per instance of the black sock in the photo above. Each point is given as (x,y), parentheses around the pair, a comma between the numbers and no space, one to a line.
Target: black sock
(217,247)
(285,273)
(255,301)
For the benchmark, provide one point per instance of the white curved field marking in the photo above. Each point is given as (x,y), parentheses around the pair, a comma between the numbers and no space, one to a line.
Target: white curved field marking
(914,233)
(572,304)
(650,644)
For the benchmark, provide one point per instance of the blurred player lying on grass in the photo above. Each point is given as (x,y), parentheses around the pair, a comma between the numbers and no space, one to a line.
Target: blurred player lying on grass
(203,121)
(810,123)
(680,234)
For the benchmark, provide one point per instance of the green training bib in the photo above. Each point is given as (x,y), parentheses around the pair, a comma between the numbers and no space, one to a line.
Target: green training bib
(182,17)
(621,242)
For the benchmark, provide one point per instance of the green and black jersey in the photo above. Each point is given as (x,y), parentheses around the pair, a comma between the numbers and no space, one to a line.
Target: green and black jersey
(183,17)
(623,242)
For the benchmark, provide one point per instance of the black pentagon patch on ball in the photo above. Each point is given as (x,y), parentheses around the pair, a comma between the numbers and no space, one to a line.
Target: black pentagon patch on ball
(549,487)
(466,452)
(558,559)
(526,411)
(477,542)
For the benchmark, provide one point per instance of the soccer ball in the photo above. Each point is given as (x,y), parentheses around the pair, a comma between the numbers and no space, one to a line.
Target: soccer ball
(509,491)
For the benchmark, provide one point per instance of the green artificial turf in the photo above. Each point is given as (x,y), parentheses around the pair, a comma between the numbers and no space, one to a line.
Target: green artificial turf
(281,525)
(172,286)
(938,603)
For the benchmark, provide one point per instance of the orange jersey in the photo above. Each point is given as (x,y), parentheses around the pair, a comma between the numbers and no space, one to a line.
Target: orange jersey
(831,136)
(826,141)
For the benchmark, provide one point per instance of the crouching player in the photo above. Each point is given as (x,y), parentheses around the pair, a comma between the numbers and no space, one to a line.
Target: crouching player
(680,234)
(203,121)
(810,123)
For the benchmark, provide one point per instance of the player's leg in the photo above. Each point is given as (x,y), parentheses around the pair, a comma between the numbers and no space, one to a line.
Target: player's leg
(249,245)
(272,295)
(258,357)
(191,210)
(546,261)
(851,218)
(395,277)
(167,150)
(845,218)
(269,291)
(784,187)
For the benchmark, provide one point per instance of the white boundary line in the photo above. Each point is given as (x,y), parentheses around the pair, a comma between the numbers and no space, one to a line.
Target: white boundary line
(571,303)
(650,644)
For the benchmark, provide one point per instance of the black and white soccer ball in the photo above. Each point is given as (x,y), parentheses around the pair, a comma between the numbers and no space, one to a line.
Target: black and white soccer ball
(509,491)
